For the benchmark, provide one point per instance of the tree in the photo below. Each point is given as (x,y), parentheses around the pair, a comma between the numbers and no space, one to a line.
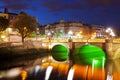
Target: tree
(3,23)
(25,24)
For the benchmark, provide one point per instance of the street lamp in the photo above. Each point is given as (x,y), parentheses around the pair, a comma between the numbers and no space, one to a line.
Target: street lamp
(110,32)
(70,33)
(49,33)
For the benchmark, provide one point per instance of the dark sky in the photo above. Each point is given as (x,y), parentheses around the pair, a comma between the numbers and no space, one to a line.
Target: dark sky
(99,12)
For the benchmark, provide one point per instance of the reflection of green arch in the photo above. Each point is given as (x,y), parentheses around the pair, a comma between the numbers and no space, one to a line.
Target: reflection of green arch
(60,52)
(117,54)
(89,54)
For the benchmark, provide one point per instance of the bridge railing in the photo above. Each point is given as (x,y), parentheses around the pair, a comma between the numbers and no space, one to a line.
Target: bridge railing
(74,40)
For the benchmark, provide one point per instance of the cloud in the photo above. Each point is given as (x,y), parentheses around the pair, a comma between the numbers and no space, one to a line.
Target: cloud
(61,5)
(17,5)
(102,3)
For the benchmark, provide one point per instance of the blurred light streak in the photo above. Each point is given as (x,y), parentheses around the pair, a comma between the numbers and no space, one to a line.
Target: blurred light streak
(48,72)
(24,75)
(70,74)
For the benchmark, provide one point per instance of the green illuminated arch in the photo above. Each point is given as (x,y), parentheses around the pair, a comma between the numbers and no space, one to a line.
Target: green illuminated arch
(60,52)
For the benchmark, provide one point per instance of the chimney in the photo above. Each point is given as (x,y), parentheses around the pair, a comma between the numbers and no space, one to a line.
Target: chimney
(6,10)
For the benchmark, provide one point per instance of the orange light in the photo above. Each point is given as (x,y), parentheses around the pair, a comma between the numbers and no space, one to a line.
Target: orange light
(24,75)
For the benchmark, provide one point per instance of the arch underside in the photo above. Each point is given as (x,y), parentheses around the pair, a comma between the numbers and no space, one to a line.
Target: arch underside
(117,54)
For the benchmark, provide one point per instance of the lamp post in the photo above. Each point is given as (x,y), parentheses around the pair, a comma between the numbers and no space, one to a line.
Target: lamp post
(49,38)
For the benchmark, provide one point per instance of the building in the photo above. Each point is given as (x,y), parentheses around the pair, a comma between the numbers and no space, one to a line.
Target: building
(75,30)
(10,34)
(11,16)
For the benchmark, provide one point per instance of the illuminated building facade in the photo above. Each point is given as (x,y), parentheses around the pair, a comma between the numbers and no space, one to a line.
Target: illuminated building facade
(78,29)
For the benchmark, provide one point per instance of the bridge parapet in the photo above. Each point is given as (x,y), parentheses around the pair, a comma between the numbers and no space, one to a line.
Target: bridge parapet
(55,40)
(97,40)
(116,40)
(75,40)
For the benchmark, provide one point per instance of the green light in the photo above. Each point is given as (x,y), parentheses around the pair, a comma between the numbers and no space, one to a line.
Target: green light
(60,52)
(88,53)
(32,34)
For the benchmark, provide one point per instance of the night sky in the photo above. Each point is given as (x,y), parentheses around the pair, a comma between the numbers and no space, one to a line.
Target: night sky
(98,12)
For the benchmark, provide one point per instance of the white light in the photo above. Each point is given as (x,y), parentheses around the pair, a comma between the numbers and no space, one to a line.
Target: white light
(108,30)
(52,31)
(13,72)
(37,68)
(93,65)
(48,72)
(70,74)
(103,63)
(43,60)
(70,32)
(49,34)
(112,34)
(109,76)
(43,44)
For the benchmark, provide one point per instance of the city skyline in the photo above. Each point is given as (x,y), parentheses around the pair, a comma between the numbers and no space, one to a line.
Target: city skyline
(98,12)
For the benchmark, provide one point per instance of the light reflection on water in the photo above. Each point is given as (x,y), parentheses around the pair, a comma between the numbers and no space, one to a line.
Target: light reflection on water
(62,71)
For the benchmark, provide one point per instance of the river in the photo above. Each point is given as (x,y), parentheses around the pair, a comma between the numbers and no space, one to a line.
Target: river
(48,69)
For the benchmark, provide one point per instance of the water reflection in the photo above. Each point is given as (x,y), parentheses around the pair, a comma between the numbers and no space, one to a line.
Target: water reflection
(113,69)
(47,69)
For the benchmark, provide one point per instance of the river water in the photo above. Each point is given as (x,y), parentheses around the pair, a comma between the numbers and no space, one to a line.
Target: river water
(47,69)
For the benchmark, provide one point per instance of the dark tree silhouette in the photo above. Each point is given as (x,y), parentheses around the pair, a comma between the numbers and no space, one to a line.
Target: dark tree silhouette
(25,24)
(3,23)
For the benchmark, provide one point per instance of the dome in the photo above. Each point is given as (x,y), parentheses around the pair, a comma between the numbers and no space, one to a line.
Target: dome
(60,52)
(90,53)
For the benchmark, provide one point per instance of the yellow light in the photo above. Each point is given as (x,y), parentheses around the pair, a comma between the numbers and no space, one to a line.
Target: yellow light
(3,36)
(24,75)
(9,30)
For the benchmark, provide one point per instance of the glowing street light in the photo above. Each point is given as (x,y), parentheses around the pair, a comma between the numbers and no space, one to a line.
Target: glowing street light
(110,32)
(70,33)
(49,33)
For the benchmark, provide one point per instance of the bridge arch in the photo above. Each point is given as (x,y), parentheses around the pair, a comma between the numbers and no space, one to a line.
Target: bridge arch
(54,44)
(60,52)
(117,53)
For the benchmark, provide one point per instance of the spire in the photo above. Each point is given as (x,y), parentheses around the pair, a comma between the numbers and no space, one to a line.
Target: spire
(6,10)
(62,20)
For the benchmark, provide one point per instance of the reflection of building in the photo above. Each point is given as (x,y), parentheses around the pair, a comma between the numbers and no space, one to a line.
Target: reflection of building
(78,28)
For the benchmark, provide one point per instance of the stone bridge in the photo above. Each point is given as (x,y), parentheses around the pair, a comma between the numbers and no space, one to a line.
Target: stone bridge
(110,46)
